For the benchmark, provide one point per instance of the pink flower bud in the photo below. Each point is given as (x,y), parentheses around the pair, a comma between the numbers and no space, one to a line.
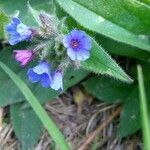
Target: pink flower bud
(23,56)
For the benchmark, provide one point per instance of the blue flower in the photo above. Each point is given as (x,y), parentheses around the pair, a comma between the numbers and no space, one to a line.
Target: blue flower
(18,31)
(78,45)
(40,73)
(57,80)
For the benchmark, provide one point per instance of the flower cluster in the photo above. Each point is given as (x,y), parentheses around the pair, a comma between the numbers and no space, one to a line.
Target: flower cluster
(41,73)
(51,47)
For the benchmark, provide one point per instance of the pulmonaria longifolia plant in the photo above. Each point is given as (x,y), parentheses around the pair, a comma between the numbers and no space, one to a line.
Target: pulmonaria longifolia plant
(54,50)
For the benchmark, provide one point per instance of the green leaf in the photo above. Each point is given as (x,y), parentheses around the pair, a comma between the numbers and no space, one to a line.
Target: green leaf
(47,122)
(27,126)
(122,49)
(106,89)
(101,62)
(97,23)
(129,14)
(34,13)
(145,2)
(71,77)
(130,116)
(4,19)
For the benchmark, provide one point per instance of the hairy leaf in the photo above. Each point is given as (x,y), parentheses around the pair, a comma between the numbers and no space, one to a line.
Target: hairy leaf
(129,14)
(101,62)
(97,23)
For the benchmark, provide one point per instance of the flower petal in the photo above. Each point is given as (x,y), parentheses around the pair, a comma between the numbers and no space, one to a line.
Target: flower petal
(57,82)
(45,80)
(23,30)
(10,28)
(43,67)
(23,56)
(77,34)
(33,77)
(86,43)
(71,53)
(14,40)
(67,40)
(16,20)
(82,55)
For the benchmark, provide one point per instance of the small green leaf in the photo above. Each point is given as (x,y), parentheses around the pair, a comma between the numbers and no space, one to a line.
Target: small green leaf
(26,124)
(95,22)
(4,19)
(100,62)
(34,13)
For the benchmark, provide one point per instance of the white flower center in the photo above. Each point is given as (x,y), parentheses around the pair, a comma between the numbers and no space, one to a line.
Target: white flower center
(74,43)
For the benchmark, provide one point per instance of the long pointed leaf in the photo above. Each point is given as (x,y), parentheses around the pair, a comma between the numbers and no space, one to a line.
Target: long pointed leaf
(144,110)
(101,63)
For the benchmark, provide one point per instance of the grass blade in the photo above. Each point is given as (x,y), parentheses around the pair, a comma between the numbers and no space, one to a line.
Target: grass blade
(144,111)
(53,130)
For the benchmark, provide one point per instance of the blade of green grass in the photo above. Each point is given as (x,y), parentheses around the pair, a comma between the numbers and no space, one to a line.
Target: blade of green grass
(53,130)
(144,111)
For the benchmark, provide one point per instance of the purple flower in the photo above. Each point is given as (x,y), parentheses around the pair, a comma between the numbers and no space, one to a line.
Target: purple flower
(18,31)
(78,45)
(57,80)
(23,56)
(40,73)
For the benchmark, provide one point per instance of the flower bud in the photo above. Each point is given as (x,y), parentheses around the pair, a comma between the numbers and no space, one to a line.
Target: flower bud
(18,31)
(23,56)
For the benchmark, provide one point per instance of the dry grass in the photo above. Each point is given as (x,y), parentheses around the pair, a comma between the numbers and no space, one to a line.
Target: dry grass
(76,124)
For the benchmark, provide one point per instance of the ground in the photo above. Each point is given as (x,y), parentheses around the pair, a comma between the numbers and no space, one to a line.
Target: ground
(79,116)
